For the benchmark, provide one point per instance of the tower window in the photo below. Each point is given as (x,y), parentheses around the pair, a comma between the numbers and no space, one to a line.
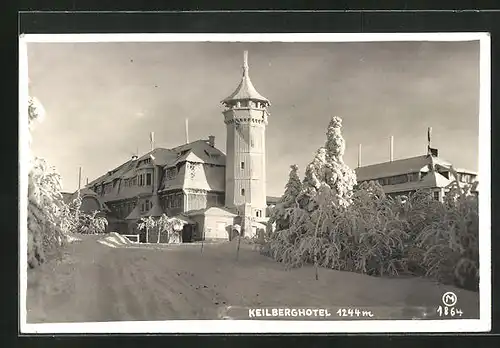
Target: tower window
(242,165)
(242,191)
(148,179)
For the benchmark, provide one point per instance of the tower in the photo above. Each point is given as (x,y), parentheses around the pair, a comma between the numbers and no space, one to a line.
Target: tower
(245,116)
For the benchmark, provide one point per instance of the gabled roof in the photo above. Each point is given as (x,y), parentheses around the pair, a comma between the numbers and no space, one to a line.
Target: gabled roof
(434,179)
(199,151)
(84,192)
(398,167)
(245,90)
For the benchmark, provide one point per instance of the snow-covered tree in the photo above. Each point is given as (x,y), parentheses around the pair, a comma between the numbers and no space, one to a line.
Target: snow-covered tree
(48,218)
(293,187)
(92,223)
(146,224)
(339,177)
(326,189)
(315,178)
(171,227)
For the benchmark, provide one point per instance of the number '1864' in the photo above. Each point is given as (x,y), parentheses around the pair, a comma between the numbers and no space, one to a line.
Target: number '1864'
(449,311)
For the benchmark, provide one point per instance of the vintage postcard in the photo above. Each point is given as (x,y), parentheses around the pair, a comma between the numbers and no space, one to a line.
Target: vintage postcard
(255,183)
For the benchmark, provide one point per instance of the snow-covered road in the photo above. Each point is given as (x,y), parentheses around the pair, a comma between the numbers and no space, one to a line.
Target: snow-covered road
(94,282)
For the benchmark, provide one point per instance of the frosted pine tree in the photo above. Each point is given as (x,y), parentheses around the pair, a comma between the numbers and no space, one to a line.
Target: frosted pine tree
(326,192)
(339,177)
(315,178)
(44,199)
(293,187)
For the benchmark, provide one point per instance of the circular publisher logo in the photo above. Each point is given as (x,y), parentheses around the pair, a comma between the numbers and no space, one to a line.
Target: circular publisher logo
(449,299)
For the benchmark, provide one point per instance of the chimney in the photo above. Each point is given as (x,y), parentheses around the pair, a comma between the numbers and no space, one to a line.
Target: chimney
(187,131)
(359,156)
(392,148)
(87,181)
(211,140)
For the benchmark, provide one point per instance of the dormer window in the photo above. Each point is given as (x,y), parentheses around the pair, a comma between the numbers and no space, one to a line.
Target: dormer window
(170,173)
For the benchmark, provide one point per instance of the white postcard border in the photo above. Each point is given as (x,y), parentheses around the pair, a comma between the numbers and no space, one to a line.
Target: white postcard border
(268,326)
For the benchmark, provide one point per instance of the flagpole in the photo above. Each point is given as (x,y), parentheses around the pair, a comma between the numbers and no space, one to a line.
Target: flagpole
(429,134)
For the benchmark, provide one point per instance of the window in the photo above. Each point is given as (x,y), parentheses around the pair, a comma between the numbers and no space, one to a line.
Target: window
(467,178)
(147,205)
(148,179)
(242,165)
(170,173)
(398,179)
(242,191)
(436,195)
(258,213)
(413,177)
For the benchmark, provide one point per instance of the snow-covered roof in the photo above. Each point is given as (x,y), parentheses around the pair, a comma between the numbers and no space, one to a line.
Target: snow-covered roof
(398,167)
(86,192)
(199,151)
(245,90)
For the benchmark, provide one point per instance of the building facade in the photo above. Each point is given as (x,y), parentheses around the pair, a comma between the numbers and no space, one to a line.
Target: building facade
(189,180)
(401,177)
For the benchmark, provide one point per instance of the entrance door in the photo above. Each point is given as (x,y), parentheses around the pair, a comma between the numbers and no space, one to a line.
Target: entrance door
(187,233)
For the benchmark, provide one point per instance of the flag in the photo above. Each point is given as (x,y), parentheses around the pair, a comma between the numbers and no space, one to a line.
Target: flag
(429,132)
(433,152)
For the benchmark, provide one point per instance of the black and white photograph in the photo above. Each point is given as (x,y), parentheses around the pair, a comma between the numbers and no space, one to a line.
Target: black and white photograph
(255,183)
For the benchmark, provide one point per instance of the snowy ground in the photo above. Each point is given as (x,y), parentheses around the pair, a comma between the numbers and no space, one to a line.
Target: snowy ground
(95,282)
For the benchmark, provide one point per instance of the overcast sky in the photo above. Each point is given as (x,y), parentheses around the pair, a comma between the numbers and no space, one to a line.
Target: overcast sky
(103,99)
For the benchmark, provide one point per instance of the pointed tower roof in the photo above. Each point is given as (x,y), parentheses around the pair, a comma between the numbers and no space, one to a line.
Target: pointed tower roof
(245,89)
